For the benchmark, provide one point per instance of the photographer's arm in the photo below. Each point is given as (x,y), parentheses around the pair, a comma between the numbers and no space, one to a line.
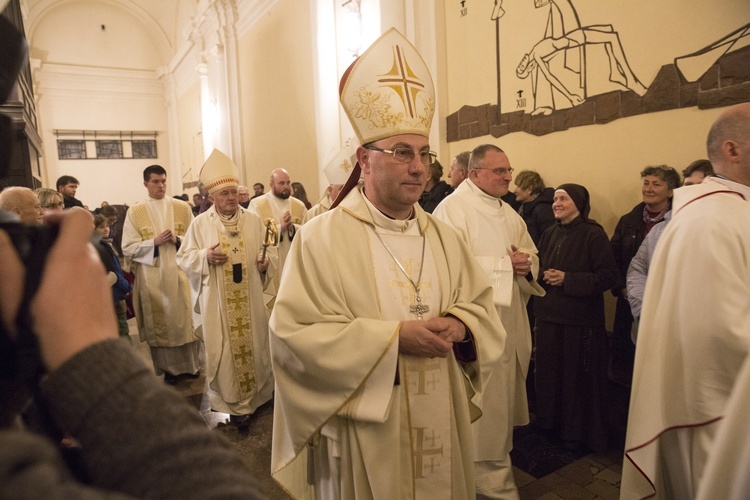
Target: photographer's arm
(137,436)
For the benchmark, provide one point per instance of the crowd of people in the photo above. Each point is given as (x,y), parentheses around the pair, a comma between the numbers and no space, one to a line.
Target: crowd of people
(394,322)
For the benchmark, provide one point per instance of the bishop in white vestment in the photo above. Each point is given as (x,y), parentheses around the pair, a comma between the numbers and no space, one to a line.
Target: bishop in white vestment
(232,290)
(384,331)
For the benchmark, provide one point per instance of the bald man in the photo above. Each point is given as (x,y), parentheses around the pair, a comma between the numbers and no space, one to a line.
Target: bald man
(278,204)
(23,202)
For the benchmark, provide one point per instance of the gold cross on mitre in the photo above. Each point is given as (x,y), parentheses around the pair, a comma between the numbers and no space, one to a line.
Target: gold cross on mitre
(402,80)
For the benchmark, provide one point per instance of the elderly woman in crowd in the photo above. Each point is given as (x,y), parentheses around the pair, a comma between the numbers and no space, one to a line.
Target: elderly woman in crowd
(658,184)
(536,203)
(577,267)
(50,200)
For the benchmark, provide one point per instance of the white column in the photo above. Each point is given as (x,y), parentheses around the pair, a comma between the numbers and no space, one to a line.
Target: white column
(230,102)
(218,87)
(328,118)
(216,32)
(209,111)
(174,168)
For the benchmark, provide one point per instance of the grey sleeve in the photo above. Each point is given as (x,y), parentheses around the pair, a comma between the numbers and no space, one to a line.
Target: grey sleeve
(138,436)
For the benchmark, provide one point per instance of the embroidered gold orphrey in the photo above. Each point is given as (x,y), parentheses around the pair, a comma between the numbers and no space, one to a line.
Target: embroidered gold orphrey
(238,312)
(296,210)
(145,227)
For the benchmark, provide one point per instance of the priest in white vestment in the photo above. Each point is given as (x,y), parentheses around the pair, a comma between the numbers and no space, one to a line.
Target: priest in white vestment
(151,236)
(695,324)
(232,284)
(278,204)
(384,328)
(498,238)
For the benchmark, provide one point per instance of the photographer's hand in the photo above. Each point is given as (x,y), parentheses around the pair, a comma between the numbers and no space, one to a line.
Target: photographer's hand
(70,310)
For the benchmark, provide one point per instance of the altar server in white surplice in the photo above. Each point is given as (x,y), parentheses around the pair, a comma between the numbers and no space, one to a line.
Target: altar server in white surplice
(232,285)
(499,240)
(384,327)
(151,235)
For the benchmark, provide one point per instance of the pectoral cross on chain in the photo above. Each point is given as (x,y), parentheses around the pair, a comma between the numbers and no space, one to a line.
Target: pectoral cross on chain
(419,309)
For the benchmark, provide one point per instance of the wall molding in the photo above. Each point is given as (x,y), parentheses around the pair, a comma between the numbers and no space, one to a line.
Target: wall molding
(89,82)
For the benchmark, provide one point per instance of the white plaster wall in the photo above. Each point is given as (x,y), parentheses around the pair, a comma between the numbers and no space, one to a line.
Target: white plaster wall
(116,181)
(94,79)
(607,158)
(277,97)
(72,34)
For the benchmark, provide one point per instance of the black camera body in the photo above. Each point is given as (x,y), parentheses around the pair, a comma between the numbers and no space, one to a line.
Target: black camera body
(19,357)
(20,361)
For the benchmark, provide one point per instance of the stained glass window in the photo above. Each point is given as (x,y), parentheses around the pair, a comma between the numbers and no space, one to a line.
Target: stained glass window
(144,149)
(105,145)
(108,149)
(71,150)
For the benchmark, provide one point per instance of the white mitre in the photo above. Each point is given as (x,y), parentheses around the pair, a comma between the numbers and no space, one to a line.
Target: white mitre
(340,166)
(388,90)
(218,172)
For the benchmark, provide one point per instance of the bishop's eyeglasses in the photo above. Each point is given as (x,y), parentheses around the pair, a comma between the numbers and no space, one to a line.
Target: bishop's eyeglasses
(406,155)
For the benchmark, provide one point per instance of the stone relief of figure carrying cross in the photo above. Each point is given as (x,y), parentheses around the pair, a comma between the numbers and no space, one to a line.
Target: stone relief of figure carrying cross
(566,38)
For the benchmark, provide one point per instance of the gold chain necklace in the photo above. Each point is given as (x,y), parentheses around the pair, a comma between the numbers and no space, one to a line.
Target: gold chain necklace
(418,308)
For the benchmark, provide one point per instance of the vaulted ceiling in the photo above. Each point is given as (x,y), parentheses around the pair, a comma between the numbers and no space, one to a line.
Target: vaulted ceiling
(127,34)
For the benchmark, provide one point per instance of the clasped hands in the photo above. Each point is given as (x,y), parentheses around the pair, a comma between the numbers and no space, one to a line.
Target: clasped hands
(432,338)
(521,261)
(553,277)
(216,257)
(165,237)
(286,221)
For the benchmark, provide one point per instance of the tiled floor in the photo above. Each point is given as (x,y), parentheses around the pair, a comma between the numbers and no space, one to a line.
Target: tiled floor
(591,477)
(594,476)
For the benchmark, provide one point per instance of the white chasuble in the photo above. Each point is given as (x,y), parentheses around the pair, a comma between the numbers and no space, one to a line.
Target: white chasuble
(491,228)
(693,339)
(270,206)
(425,381)
(233,301)
(353,417)
(162,293)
